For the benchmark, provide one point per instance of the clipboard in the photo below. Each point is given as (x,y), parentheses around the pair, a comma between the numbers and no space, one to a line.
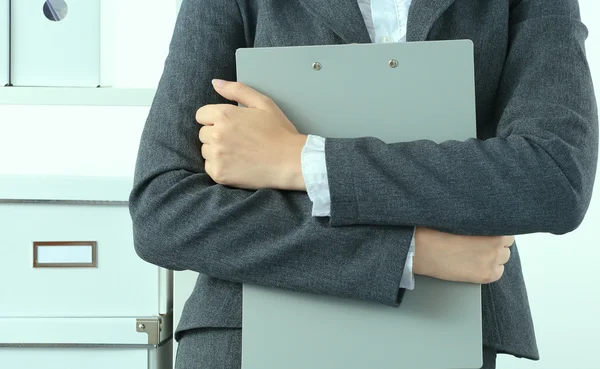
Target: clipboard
(395,92)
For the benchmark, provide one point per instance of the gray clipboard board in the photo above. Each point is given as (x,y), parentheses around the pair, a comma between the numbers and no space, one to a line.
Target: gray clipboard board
(394,92)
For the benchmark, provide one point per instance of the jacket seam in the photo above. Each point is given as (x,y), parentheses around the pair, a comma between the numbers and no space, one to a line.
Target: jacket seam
(497,323)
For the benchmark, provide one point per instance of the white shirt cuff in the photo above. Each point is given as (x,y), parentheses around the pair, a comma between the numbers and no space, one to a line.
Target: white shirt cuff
(408,278)
(314,170)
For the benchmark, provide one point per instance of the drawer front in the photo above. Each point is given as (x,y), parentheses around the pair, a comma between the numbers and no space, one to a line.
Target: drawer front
(80,358)
(142,331)
(43,282)
(55,43)
(83,357)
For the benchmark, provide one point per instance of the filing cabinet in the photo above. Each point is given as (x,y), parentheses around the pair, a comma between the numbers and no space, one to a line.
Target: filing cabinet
(78,294)
(55,43)
(84,358)
(4,42)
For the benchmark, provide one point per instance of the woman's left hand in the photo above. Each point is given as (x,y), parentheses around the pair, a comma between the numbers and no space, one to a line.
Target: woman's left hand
(250,147)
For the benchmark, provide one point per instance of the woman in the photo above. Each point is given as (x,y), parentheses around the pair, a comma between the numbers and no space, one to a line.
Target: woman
(238,195)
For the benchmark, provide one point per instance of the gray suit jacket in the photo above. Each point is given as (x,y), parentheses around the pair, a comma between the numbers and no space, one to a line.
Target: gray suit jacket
(530,170)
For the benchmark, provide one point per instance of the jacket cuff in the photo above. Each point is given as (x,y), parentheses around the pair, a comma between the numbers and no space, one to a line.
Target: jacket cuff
(340,172)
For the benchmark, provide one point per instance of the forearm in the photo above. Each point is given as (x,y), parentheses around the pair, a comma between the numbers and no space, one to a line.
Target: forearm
(493,187)
(537,175)
(314,175)
(183,221)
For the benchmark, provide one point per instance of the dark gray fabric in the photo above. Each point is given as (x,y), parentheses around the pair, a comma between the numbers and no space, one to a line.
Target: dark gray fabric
(530,170)
(212,348)
(489,358)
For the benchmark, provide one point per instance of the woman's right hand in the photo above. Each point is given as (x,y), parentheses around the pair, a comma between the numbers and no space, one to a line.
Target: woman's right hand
(474,259)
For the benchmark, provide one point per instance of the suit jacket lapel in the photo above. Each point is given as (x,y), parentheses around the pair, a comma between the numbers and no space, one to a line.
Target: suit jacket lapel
(422,15)
(342,16)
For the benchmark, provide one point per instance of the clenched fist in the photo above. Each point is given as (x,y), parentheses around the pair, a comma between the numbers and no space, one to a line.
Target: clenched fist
(474,259)
(250,147)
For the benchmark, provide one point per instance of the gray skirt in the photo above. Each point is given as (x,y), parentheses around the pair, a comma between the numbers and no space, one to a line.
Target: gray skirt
(221,348)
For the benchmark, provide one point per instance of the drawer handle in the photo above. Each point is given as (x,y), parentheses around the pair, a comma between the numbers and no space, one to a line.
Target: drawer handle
(67,254)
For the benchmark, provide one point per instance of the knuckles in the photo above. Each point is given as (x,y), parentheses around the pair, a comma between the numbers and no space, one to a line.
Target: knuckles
(215,113)
(217,176)
(217,137)
(492,275)
(221,114)
(218,152)
(220,135)
(265,101)
(237,87)
(492,264)
(508,240)
(216,173)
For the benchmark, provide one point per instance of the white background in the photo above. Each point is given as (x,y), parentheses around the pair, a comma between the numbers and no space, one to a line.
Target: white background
(560,271)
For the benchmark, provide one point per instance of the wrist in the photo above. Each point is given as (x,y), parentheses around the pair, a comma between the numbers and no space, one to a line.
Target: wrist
(418,266)
(290,169)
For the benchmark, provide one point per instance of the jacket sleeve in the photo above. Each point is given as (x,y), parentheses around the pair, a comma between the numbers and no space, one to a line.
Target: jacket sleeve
(183,220)
(535,175)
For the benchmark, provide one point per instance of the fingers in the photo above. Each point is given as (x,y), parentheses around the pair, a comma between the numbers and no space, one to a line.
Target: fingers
(500,241)
(205,138)
(210,153)
(205,150)
(503,241)
(503,256)
(211,140)
(498,272)
(243,94)
(491,275)
(206,134)
(499,257)
(215,113)
(508,241)
(235,91)
(502,250)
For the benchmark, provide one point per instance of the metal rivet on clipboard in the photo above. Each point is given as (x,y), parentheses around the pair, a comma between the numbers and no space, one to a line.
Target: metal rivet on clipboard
(393,63)
(316,66)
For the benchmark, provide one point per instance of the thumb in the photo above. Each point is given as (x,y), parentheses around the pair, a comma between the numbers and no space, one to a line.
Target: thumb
(243,94)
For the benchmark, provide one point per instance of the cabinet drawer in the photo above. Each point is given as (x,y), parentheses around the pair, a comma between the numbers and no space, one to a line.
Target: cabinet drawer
(60,358)
(85,358)
(72,257)
(123,331)
(55,43)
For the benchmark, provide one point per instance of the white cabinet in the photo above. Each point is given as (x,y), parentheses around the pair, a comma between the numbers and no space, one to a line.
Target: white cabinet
(85,358)
(76,281)
(4,42)
(55,43)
